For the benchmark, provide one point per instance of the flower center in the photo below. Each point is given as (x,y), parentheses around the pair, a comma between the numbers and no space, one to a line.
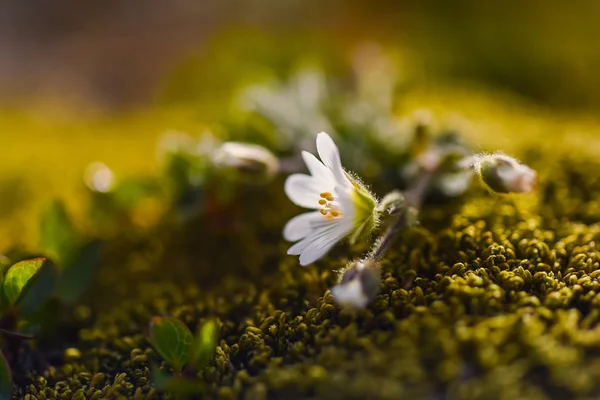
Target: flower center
(330,208)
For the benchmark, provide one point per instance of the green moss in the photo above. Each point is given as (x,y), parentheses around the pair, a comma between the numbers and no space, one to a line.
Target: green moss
(489,297)
(494,300)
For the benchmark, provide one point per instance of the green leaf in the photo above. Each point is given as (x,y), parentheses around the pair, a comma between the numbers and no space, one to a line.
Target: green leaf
(18,276)
(58,237)
(205,343)
(172,340)
(38,289)
(77,276)
(5,379)
(176,385)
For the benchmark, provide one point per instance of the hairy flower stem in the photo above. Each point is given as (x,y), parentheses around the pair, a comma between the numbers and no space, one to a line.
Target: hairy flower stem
(413,200)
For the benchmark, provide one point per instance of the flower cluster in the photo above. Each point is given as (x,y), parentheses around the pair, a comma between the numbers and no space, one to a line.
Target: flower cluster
(345,209)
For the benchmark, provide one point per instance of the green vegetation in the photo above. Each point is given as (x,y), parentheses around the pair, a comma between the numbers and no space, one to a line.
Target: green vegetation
(489,297)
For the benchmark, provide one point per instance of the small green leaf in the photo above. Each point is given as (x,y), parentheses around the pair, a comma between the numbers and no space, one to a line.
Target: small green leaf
(17,277)
(38,289)
(172,340)
(58,238)
(176,385)
(77,276)
(5,379)
(205,342)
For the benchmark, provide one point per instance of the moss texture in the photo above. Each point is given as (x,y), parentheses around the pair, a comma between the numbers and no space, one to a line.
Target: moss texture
(494,299)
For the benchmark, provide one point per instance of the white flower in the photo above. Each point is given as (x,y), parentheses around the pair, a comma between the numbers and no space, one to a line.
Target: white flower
(359,284)
(345,208)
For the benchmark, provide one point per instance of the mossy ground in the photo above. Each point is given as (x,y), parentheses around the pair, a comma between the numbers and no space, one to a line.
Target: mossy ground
(490,298)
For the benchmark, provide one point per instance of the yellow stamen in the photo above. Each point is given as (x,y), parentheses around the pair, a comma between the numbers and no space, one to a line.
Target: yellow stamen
(330,210)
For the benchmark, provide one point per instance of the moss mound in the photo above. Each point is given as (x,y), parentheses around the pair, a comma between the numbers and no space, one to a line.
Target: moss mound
(495,299)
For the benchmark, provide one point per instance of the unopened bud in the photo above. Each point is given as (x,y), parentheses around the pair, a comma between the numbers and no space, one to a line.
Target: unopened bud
(503,174)
(252,162)
(392,203)
(359,284)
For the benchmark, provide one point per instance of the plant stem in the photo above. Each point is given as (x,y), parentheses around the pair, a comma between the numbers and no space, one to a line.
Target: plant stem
(414,199)
(384,243)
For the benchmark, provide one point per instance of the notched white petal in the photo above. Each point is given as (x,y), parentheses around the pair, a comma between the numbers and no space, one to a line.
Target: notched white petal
(322,243)
(313,253)
(300,226)
(319,232)
(330,155)
(303,190)
(322,239)
(316,168)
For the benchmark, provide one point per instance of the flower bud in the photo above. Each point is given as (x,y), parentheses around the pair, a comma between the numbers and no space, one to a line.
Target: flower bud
(359,284)
(503,174)
(392,203)
(253,163)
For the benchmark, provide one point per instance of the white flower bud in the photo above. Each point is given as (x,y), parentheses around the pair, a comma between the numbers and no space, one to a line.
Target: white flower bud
(359,284)
(251,161)
(503,174)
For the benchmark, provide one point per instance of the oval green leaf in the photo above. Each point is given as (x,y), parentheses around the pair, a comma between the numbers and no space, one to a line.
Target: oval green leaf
(172,340)
(205,343)
(38,289)
(5,379)
(18,276)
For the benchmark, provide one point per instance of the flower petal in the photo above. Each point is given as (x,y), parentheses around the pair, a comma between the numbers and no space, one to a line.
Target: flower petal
(330,156)
(315,246)
(314,253)
(304,190)
(317,169)
(319,231)
(300,226)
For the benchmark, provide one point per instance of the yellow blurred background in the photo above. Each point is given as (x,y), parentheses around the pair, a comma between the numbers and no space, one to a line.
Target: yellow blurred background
(103,80)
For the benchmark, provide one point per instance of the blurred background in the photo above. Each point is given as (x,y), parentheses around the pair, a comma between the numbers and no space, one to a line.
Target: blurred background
(103,80)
